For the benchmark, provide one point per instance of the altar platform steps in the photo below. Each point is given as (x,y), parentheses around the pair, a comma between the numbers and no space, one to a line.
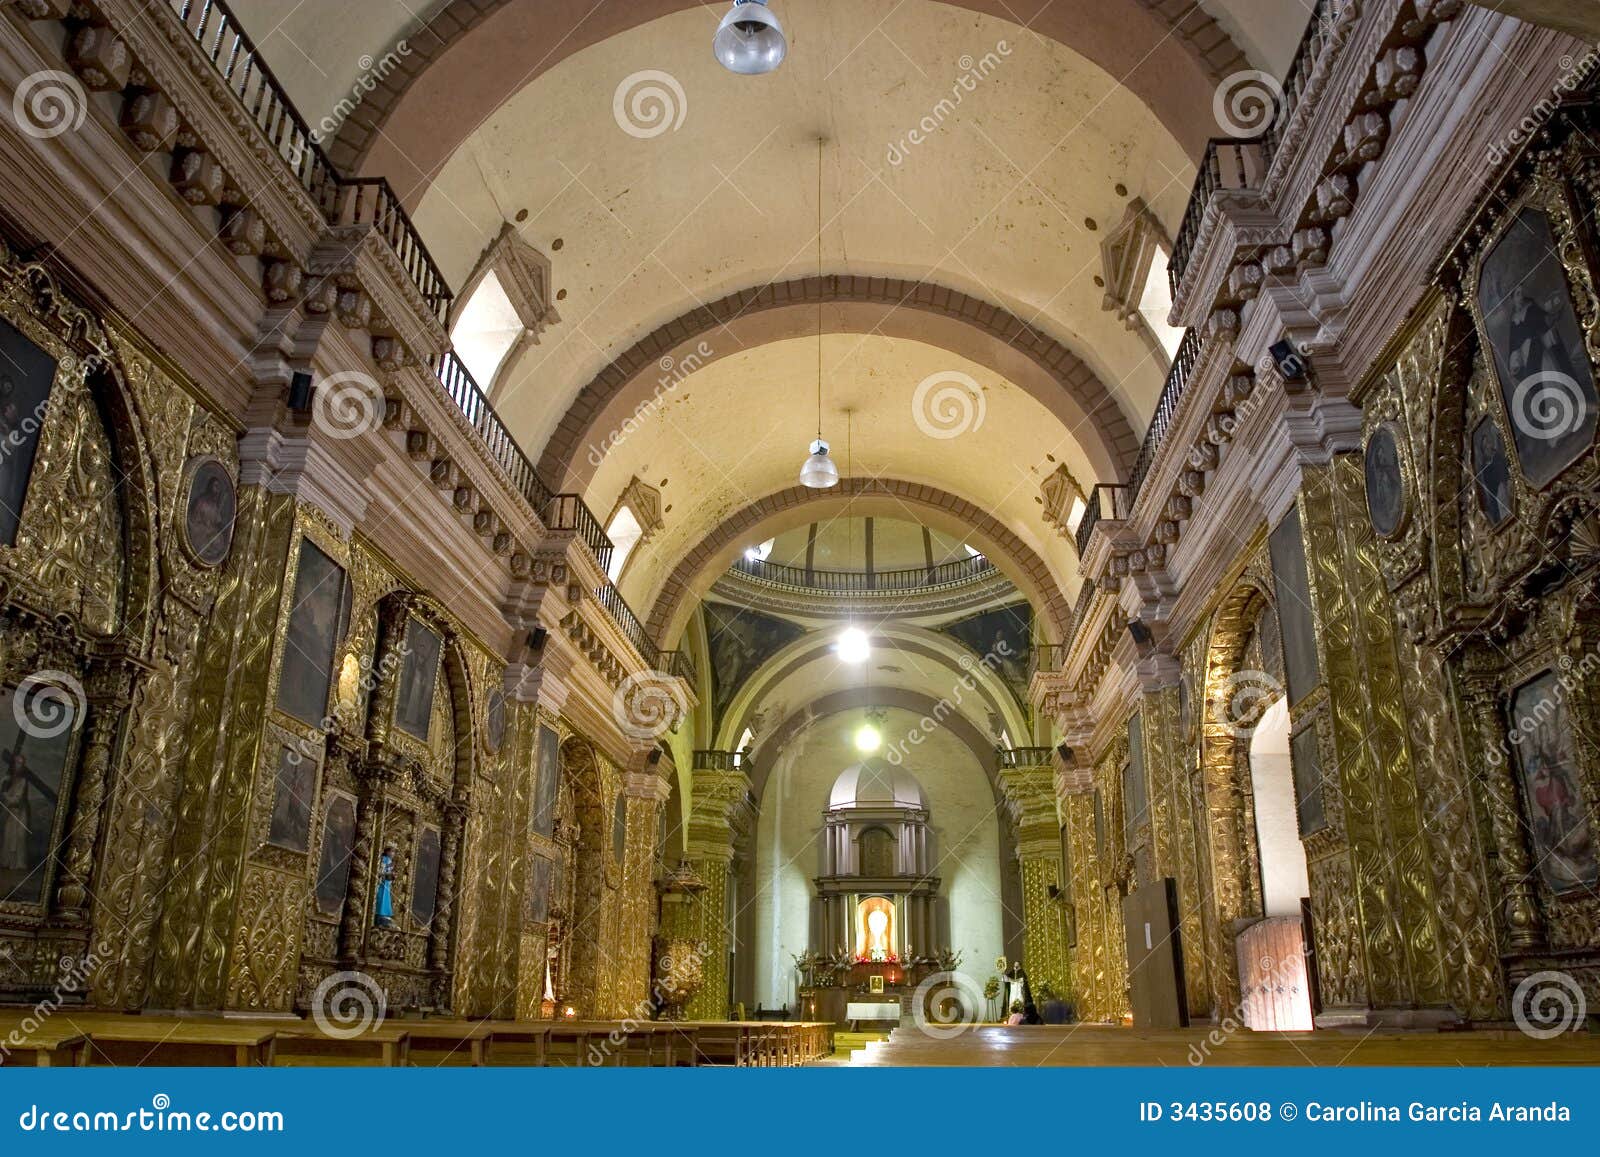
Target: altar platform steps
(1038,1046)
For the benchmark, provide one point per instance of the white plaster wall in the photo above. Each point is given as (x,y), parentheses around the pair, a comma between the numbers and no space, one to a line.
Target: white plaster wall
(966,828)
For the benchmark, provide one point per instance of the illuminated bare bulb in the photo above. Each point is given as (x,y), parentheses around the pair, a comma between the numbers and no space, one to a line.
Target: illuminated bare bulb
(868,739)
(853,645)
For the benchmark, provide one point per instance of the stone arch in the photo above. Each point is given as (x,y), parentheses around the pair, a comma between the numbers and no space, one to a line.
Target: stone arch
(1231,693)
(1019,561)
(982,332)
(468,57)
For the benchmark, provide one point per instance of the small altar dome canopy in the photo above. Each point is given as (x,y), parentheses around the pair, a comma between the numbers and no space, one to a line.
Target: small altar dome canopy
(875,783)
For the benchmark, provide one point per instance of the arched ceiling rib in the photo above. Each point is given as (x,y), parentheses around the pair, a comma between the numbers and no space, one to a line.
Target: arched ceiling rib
(467,57)
(974,329)
(670,604)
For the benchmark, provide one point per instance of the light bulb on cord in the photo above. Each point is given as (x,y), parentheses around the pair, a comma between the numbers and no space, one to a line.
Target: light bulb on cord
(868,739)
(749,41)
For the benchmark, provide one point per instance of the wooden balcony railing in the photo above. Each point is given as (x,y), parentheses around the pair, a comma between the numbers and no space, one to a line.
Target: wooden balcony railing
(716,761)
(570,512)
(1013,757)
(913,579)
(1166,407)
(679,665)
(474,404)
(611,599)
(1046,657)
(1243,163)
(343,201)
(1106,500)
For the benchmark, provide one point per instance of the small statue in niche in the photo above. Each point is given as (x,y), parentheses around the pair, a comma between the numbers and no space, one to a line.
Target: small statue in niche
(383,903)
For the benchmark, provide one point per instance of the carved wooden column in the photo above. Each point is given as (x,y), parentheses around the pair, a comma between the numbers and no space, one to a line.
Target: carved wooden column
(1519,908)
(369,809)
(112,683)
(440,951)
(717,793)
(1030,793)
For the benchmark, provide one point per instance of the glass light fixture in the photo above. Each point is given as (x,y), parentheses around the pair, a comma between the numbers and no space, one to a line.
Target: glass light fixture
(819,472)
(853,646)
(749,40)
(868,739)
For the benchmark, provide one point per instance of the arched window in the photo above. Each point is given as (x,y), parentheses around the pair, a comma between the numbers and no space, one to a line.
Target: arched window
(486,329)
(1155,303)
(505,303)
(624,533)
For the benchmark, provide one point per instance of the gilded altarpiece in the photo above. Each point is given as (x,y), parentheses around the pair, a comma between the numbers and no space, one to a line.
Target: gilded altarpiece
(1102,876)
(1494,573)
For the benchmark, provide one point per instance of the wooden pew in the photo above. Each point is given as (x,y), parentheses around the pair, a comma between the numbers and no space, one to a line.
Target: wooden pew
(518,1043)
(148,1040)
(387,1045)
(449,1042)
(44,1046)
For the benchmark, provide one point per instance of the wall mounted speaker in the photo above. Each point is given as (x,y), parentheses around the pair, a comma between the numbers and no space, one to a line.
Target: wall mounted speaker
(1291,363)
(300,392)
(1142,638)
(537,639)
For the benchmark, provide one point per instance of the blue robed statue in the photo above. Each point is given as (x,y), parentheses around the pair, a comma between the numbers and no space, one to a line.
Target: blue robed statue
(383,904)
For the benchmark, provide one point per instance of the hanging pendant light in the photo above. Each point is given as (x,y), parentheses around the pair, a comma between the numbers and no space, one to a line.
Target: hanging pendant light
(749,40)
(819,472)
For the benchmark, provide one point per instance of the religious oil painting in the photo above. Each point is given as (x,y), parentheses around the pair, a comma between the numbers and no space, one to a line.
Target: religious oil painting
(315,625)
(740,641)
(33,770)
(494,723)
(1386,487)
(549,783)
(1546,380)
(209,513)
(26,376)
(425,884)
(1305,758)
(338,844)
(536,909)
(294,790)
(619,828)
(1491,472)
(413,710)
(1552,785)
(1001,639)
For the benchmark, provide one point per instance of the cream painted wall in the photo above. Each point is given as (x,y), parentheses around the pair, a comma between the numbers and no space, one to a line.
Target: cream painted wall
(966,829)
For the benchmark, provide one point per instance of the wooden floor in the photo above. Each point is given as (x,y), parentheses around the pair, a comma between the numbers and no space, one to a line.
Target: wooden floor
(1103,1045)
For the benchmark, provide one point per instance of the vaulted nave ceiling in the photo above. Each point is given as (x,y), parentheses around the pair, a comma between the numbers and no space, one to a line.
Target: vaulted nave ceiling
(980,148)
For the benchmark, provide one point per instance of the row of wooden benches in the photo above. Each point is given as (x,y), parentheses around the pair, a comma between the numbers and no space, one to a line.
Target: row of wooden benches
(80,1038)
